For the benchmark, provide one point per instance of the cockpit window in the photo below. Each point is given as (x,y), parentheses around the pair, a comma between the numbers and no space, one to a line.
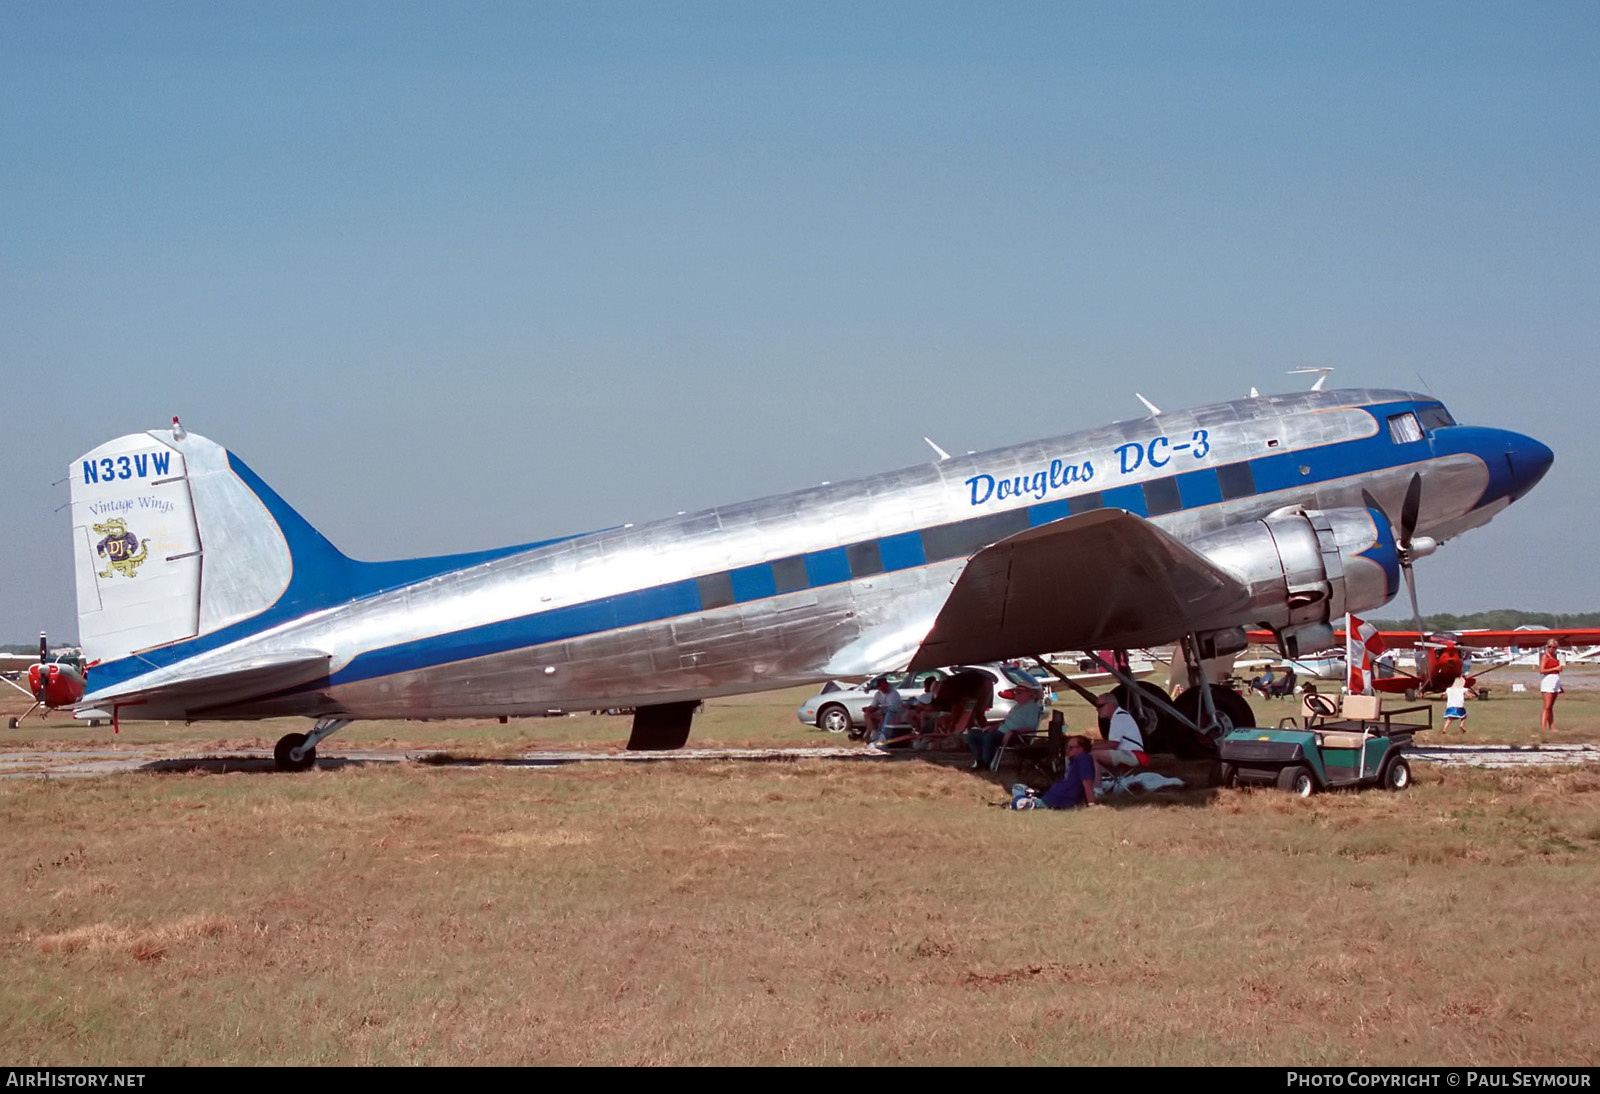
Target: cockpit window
(1435,416)
(1404,428)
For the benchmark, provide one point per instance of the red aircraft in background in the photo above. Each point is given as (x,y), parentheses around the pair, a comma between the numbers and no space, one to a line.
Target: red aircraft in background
(1442,656)
(51,684)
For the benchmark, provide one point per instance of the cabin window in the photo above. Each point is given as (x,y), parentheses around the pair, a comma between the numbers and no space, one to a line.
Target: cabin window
(789,574)
(1404,428)
(1082,503)
(865,559)
(966,537)
(1161,496)
(1236,481)
(716,591)
(1435,417)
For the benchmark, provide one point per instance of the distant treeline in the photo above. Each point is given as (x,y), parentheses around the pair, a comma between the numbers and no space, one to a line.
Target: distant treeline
(1501,619)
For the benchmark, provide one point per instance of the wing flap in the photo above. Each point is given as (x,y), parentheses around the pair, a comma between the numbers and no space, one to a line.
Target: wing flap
(1101,580)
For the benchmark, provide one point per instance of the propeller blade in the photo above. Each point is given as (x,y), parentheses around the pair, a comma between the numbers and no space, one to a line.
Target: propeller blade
(44,649)
(1409,510)
(1372,503)
(1416,612)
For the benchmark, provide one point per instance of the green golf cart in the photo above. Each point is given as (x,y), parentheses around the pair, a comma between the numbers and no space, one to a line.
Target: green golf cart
(1323,753)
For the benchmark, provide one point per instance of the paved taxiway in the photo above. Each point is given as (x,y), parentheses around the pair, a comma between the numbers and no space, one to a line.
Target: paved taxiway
(86,763)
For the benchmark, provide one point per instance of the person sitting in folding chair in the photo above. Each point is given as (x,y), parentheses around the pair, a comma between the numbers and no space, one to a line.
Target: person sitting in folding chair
(923,711)
(1283,688)
(885,713)
(1122,752)
(963,700)
(1263,684)
(1021,724)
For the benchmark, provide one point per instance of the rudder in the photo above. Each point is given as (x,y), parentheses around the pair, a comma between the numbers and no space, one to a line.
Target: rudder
(168,543)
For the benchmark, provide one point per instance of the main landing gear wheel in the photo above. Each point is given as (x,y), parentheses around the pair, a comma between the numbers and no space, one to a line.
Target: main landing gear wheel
(1232,713)
(282,753)
(833,718)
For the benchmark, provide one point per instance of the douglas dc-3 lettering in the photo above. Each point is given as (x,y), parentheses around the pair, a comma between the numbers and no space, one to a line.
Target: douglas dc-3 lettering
(202,594)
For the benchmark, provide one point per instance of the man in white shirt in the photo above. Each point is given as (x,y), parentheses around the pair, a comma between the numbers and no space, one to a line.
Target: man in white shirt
(1125,745)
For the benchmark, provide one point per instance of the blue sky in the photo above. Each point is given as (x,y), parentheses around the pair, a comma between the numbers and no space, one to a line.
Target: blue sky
(452,276)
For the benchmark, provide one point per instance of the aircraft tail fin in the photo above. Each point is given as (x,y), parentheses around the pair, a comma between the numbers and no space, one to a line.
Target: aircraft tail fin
(174,538)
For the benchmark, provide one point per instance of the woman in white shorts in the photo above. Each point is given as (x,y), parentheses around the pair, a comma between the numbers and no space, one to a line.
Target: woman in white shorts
(1549,685)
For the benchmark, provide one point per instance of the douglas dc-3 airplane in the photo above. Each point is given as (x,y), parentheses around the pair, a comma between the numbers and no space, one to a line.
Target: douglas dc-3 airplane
(202,594)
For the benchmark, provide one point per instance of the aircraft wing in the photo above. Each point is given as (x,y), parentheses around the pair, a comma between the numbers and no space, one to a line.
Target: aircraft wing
(1106,579)
(1528,640)
(1577,636)
(180,690)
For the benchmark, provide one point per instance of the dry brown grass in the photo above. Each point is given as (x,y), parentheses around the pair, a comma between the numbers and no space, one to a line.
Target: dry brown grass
(804,912)
(807,912)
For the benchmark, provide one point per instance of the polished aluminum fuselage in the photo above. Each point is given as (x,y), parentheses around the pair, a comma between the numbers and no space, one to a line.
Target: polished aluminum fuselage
(621,617)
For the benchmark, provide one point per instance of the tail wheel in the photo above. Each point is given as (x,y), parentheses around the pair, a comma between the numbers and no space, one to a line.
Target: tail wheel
(1297,780)
(283,753)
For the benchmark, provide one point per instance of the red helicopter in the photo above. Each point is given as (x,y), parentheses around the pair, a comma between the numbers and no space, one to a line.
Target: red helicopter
(52,685)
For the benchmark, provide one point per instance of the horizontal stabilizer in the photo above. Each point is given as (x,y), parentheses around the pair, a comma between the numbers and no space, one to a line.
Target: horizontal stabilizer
(181,689)
(1106,579)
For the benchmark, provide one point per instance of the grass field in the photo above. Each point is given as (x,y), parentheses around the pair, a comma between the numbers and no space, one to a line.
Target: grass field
(807,912)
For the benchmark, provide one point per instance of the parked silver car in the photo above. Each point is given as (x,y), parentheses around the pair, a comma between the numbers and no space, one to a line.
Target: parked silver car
(840,708)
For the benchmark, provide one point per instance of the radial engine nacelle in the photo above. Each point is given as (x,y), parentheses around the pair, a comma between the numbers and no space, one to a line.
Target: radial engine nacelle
(1307,568)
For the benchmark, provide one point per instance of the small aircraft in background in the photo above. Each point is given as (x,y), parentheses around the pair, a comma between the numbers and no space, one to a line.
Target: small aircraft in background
(1442,656)
(16,662)
(1439,657)
(53,685)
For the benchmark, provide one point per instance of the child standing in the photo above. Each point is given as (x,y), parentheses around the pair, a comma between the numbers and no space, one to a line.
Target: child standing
(1455,705)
